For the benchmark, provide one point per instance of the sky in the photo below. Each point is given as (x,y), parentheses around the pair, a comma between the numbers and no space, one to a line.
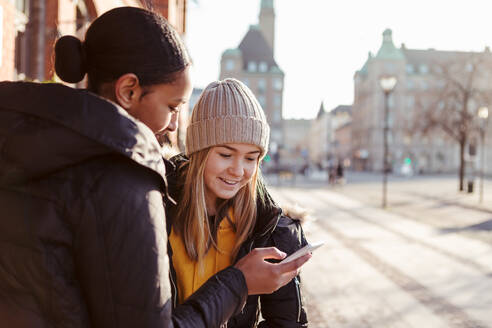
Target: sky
(320,44)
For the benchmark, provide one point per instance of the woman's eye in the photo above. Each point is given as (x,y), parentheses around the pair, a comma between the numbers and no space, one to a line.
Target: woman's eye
(251,159)
(173,109)
(225,155)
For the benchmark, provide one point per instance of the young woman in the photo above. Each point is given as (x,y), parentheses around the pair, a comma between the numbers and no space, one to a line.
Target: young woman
(222,210)
(83,240)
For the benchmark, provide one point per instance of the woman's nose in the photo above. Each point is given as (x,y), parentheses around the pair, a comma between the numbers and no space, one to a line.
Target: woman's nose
(236,169)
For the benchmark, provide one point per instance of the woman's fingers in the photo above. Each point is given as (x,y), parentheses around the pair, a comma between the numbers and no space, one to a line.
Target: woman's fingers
(263,277)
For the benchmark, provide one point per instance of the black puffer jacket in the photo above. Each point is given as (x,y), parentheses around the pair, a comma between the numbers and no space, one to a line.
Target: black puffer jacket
(283,308)
(82,233)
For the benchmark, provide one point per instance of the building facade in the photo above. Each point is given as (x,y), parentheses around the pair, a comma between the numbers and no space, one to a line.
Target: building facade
(30,28)
(295,151)
(13,20)
(319,138)
(343,144)
(322,145)
(423,77)
(253,63)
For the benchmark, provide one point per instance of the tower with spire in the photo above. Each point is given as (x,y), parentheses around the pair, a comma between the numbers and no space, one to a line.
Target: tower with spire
(267,22)
(253,63)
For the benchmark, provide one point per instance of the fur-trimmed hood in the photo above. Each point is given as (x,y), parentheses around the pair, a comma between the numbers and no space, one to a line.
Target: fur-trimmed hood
(297,213)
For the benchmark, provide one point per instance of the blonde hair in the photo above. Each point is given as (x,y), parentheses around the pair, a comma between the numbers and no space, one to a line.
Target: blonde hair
(191,222)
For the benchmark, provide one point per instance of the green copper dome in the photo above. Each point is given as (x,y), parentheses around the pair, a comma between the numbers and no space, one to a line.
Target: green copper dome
(363,70)
(266,3)
(388,49)
(232,52)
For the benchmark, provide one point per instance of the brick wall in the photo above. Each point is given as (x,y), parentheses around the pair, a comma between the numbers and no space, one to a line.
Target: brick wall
(174,11)
(60,20)
(7,38)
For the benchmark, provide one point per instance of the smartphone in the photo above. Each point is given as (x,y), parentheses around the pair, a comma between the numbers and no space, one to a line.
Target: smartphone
(309,248)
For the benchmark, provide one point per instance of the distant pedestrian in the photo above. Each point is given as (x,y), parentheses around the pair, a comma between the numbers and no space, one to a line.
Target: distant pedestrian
(339,172)
(332,173)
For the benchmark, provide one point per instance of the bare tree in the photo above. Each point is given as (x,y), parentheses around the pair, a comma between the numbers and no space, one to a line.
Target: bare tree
(459,89)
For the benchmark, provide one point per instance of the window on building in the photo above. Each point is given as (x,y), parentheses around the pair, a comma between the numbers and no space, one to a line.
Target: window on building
(262,101)
(277,83)
(410,69)
(229,65)
(246,81)
(425,85)
(410,101)
(263,67)
(22,6)
(277,116)
(424,69)
(410,84)
(252,66)
(261,85)
(277,100)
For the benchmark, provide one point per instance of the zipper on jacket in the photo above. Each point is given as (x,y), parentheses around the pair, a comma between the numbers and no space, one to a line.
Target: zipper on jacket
(250,249)
(175,294)
(299,303)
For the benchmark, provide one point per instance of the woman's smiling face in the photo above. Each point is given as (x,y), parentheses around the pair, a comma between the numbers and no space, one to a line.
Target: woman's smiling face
(229,167)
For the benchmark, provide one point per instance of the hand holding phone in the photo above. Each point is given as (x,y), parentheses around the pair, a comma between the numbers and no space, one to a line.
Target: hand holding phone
(309,248)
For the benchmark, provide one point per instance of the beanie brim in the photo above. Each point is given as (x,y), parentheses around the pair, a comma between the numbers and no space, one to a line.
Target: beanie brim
(227,129)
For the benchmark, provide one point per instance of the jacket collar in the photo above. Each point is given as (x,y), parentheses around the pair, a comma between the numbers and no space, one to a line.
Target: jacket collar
(42,118)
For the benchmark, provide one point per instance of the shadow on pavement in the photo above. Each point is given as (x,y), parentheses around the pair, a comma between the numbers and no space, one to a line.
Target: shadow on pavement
(482,226)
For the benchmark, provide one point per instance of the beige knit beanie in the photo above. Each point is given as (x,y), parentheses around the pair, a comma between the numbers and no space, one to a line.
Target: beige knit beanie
(227,112)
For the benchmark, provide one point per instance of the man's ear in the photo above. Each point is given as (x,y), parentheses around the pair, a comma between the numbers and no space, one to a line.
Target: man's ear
(127,91)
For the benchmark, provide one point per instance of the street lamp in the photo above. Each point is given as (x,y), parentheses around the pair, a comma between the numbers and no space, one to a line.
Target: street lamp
(483,114)
(387,84)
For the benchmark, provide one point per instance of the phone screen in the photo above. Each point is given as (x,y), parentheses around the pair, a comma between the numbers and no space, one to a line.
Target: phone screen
(309,248)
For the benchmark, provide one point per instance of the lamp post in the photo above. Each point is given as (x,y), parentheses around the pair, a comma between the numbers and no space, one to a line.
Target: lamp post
(387,84)
(483,114)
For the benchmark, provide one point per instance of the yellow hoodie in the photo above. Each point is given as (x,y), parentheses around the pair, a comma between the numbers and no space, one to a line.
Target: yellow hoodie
(188,274)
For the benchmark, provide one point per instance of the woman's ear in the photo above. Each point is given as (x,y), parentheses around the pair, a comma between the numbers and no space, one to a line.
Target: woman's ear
(127,91)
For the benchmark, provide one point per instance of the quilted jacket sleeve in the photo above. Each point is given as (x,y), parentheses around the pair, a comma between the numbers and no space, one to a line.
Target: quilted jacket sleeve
(122,262)
(222,296)
(284,308)
(120,250)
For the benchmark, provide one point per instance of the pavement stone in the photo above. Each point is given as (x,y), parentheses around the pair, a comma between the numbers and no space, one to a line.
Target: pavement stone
(383,269)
